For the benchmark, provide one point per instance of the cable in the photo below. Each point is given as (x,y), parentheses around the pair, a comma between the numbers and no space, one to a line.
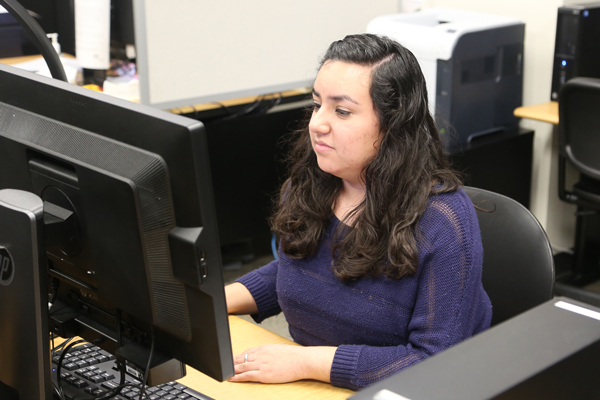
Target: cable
(60,346)
(59,364)
(274,246)
(147,365)
(42,42)
(55,283)
(58,391)
(57,386)
(221,105)
(246,110)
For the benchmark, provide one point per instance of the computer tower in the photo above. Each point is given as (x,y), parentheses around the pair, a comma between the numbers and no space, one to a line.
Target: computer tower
(577,47)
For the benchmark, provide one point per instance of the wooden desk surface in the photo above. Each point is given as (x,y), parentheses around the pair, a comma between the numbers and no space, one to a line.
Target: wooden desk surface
(238,101)
(546,112)
(17,60)
(244,335)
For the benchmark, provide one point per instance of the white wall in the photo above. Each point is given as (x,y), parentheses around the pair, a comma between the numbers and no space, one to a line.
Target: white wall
(193,52)
(539,17)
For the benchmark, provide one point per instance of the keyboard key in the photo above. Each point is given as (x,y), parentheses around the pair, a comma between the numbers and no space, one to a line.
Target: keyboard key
(82,363)
(92,361)
(108,376)
(97,378)
(101,358)
(89,374)
(110,385)
(79,383)
(70,366)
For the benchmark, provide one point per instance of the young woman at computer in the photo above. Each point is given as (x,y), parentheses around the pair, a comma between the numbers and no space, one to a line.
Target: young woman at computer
(380,251)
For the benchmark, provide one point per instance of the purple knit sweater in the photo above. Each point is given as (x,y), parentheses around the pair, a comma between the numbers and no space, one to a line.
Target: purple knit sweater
(379,325)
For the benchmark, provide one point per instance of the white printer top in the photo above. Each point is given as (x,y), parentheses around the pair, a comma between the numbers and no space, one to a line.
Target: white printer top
(432,34)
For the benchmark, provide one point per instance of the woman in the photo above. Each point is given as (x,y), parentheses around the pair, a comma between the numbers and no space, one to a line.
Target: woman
(380,252)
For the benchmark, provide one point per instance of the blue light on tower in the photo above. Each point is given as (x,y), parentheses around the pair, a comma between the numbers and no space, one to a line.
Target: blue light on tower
(586,13)
(564,63)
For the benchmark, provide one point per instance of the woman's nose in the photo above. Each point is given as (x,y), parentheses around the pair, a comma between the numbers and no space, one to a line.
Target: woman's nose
(319,123)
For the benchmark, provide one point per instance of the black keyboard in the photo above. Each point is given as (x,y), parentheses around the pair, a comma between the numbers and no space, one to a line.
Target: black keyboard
(87,371)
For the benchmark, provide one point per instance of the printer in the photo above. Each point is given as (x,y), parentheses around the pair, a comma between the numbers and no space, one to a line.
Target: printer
(472,63)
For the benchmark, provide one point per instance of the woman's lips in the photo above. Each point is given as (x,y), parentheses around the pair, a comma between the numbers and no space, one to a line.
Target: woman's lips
(321,146)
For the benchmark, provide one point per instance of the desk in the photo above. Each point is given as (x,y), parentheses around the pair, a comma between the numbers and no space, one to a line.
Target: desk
(545,112)
(245,334)
(17,60)
(240,101)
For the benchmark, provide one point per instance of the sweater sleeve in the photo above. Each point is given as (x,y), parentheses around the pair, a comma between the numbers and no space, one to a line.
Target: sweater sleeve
(450,304)
(262,286)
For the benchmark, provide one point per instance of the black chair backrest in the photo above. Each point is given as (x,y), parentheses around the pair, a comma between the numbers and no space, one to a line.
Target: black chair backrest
(579,124)
(518,268)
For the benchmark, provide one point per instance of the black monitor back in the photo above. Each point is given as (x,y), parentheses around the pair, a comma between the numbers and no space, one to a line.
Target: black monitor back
(142,251)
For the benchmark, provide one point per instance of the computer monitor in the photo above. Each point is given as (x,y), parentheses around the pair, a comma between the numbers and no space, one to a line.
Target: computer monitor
(130,233)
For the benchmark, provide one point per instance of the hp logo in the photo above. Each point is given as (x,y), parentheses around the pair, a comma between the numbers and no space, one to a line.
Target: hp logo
(7,271)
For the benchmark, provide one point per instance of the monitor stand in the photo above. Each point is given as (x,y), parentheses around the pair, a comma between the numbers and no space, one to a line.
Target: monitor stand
(24,338)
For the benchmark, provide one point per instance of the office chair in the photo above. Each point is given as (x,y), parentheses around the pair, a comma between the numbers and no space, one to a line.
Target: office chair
(518,267)
(579,145)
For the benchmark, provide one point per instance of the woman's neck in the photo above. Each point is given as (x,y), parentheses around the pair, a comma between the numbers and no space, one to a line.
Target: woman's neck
(351,195)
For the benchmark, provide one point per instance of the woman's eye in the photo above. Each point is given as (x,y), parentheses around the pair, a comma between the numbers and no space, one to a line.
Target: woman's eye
(316,106)
(343,113)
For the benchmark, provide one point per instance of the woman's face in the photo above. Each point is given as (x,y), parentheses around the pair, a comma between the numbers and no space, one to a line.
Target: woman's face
(344,128)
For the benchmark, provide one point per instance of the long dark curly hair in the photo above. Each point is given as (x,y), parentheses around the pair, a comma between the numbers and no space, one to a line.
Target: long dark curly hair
(408,168)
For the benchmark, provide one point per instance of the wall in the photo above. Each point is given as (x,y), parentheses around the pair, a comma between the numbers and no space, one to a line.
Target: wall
(193,52)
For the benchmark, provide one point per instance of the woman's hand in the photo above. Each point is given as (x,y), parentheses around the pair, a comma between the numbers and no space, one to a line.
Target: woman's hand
(279,363)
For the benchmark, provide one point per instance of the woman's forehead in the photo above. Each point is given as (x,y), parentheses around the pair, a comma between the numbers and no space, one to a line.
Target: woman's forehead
(340,78)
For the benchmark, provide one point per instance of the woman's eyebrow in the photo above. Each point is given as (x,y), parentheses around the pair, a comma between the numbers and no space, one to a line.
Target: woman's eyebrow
(336,98)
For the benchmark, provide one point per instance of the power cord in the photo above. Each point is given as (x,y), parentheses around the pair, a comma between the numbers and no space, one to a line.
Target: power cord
(57,386)
(148,365)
